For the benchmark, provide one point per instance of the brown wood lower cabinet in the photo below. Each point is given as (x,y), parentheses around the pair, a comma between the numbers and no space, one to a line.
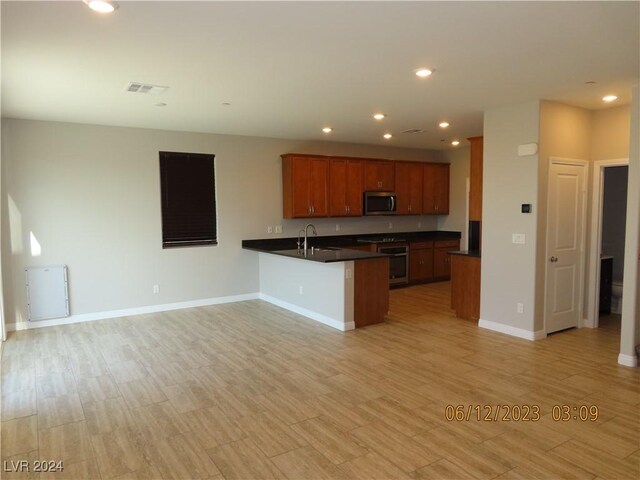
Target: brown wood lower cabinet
(465,286)
(442,259)
(421,262)
(371,291)
(429,261)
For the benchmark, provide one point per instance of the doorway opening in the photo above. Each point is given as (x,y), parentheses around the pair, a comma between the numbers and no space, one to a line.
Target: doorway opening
(608,225)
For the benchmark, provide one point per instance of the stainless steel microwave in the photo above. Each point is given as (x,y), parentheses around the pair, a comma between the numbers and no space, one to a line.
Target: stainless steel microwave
(380,203)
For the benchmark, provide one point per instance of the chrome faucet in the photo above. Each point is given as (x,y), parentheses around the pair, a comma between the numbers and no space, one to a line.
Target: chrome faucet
(301,235)
(306,230)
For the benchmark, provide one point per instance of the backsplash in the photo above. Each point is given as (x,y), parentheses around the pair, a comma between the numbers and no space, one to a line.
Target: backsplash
(358,225)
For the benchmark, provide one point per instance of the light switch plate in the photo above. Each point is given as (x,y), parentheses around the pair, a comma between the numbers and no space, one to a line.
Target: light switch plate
(518,238)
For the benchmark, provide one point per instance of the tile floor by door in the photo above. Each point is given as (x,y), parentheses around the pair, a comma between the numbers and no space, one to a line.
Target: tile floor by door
(249,390)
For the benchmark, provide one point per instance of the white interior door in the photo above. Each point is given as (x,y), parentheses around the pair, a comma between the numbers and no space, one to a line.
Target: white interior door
(565,244)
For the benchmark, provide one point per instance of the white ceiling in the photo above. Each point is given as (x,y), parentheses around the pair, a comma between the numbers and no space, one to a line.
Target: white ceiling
(290,68)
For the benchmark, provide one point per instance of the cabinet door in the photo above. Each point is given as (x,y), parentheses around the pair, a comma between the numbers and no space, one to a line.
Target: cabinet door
(345,187)
(371,178)
(379,175)
(300,178)
(442,189)
(338,187)
(441,263)
(318,186)
(421,264)
(415,266)
(354,188)
(408,183)
(435,189)
(386,175)
(475,179)
(429,189)
(441,258)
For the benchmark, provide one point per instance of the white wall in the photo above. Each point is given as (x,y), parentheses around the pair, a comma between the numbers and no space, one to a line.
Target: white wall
(327,295)
(90,195)
(614,214)
(565,132)
(508,270)
(459,159)
(630,330)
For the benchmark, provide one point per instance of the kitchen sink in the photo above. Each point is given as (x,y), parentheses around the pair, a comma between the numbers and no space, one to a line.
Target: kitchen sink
(326,249)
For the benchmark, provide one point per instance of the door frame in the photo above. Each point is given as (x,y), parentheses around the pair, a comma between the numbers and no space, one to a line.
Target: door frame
(585,165)
(595,239)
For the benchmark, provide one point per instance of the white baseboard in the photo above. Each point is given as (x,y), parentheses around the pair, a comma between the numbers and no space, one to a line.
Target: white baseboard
(586,323)
(628,360)
(89,317)
(513,331)
(332,322)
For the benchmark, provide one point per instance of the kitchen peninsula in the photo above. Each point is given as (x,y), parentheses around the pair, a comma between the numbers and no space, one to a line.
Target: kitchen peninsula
(341,281)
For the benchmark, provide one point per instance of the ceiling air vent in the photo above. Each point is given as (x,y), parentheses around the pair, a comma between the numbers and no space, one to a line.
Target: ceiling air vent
(413,130)
(136,87)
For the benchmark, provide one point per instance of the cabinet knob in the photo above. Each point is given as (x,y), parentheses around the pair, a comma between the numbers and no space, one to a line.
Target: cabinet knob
(553,259)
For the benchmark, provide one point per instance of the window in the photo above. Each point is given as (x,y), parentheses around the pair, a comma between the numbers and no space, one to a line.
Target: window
(188,189)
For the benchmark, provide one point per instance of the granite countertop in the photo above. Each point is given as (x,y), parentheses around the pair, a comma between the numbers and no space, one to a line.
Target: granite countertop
(346,241)
(324,255)
(466,253)
(335,248)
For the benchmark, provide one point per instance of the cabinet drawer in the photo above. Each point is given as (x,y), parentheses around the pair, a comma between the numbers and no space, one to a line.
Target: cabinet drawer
(420,245)
(447,244)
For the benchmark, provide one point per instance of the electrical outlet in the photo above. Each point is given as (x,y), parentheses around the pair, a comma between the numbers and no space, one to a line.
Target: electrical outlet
(278,228)
(348,273)
(419,224)
(156,289)
(269,229)
(337,227)
(390,225)
(300,290)
(520,307)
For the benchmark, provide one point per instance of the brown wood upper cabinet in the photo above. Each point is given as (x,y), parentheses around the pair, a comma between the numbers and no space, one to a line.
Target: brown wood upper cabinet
(409,181)
(305,182)
(475,179)
(345,187)
(435,189)
(379,176)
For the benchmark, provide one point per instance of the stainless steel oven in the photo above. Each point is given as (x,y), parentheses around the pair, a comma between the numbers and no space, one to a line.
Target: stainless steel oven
(398,263)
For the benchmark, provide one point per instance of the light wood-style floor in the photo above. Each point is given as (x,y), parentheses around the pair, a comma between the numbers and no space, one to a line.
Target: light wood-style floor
(249,390)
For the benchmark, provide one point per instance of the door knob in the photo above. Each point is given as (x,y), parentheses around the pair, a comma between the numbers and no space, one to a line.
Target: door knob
(553,259)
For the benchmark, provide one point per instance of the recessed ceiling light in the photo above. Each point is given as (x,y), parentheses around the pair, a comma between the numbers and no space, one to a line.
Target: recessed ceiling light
(609,98)
(455,143)
(327,129)
(423,72)
(379,116)
(443,124)
(101,6)
(387,136)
